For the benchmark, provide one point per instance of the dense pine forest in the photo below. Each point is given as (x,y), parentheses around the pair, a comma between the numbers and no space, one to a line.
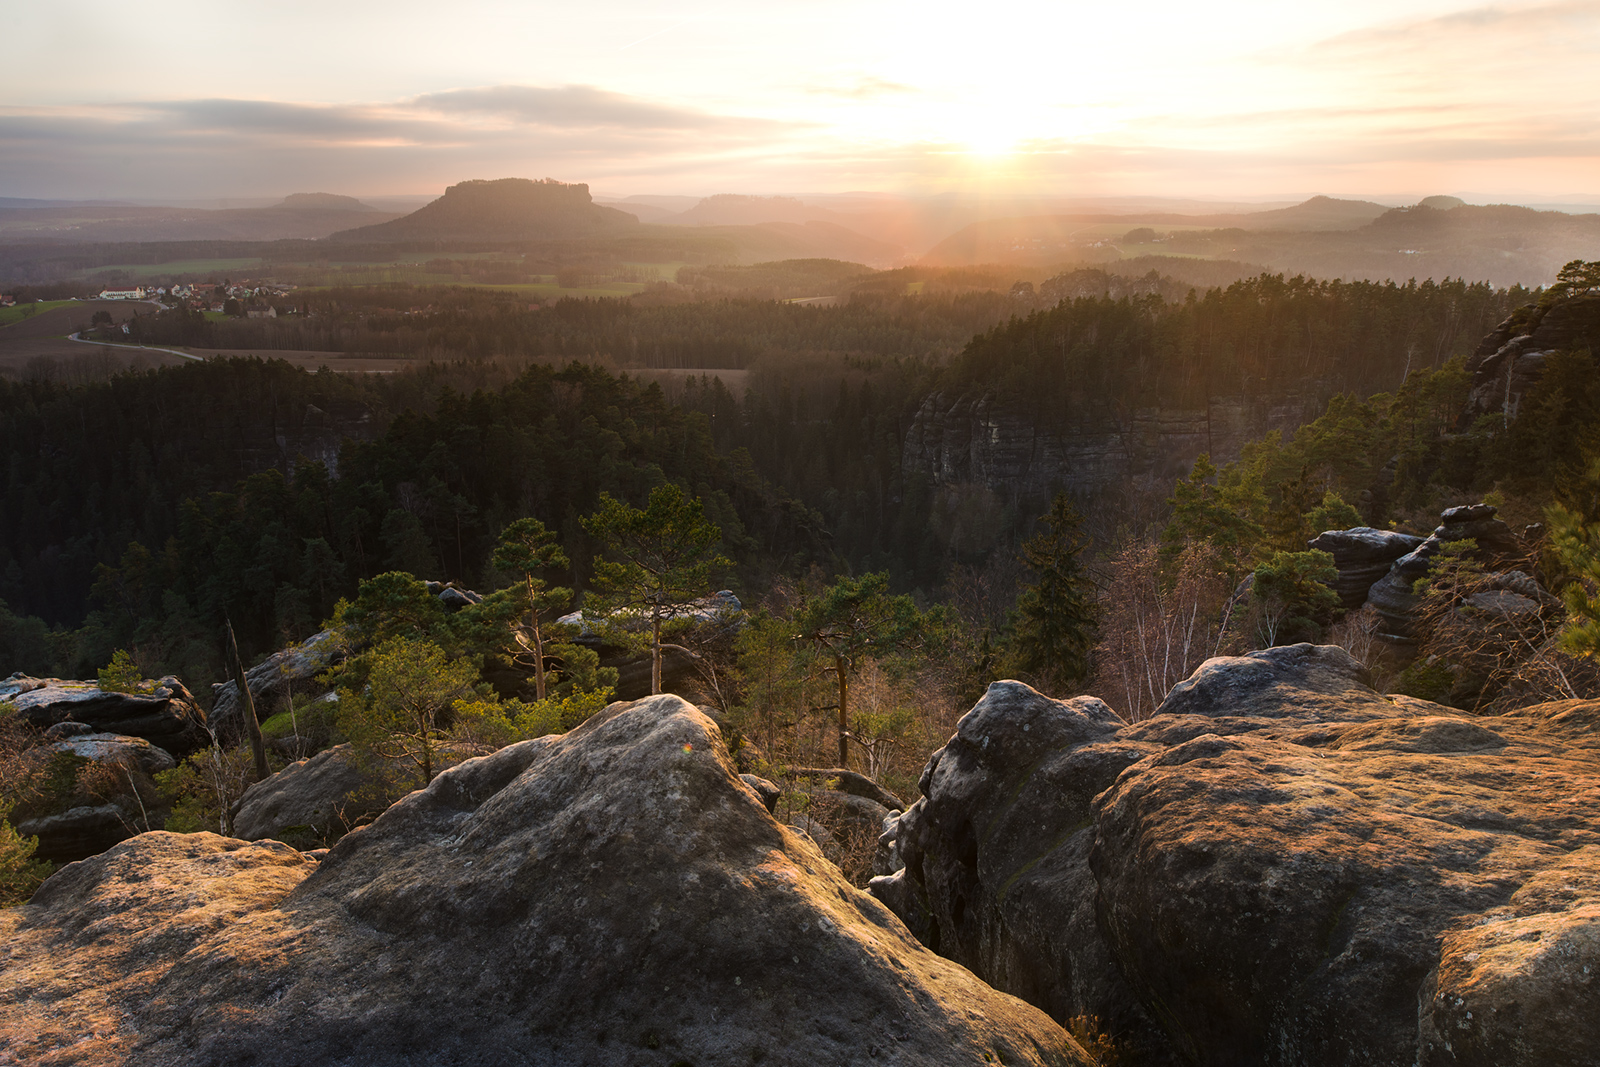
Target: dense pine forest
(141,510)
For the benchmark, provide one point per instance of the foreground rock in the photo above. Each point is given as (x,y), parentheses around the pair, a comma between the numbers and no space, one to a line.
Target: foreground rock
(1281,867)
(166,716)
(616,895)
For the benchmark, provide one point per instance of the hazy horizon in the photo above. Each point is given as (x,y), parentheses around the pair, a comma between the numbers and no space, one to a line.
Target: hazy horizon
(1241,101)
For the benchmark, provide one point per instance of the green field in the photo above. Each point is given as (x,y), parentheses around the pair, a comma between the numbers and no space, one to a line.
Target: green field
(141,271)
(25,311)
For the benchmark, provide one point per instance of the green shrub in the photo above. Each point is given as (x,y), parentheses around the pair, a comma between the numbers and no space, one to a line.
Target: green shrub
(20,873)
(122,675)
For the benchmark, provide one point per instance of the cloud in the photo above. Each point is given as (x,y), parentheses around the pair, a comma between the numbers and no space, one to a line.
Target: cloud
(863,88)
(577,107)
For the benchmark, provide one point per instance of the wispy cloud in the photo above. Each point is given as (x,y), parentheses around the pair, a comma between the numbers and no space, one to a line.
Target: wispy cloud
(862,88)
(577,107)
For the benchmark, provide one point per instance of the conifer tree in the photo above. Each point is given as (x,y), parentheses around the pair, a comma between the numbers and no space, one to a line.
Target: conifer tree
(527,548)
(1057,619)
(664,557)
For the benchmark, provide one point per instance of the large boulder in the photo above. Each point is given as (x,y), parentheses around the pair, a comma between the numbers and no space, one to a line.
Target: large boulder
(1280,867)
(615,895)
(87,790)
(165,714)
(78,832)
(311,801)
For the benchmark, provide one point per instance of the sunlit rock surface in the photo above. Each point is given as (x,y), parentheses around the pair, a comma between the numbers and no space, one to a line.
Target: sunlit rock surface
(1281,867)
(616,895)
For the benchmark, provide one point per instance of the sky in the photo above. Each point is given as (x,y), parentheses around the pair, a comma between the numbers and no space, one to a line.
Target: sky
(1239,99)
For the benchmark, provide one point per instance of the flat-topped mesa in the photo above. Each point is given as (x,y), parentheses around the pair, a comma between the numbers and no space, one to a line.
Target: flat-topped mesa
(502,210)
(616,895)
(1281,867)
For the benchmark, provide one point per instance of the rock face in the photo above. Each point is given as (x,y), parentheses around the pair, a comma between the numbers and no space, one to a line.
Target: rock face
(78,832)
(1362,556)
(616,895)
(118,748)
(1280,867)
(273,680)
(982,440)
(167,716)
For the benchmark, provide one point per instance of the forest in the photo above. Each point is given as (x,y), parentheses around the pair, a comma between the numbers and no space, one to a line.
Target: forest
(146,514)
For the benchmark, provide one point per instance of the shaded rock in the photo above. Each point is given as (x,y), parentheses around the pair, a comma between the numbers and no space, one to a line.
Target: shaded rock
(118,748)
(1510,361)
(273,681)
(614,895)
(166,716)
(844,780)
(767,791)
(309,800)
(1392,595)
(994,854)
(1321,877)
(1362,556)
(69,728)
(453,597)
(77,833)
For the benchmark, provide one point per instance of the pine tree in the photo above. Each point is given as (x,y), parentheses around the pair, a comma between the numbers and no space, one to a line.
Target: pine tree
(1057,618)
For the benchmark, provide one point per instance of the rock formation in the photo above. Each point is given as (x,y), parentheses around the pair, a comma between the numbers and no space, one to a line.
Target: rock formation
(1280,867)
(166,715)
(505,209)
(1392,594)
(310,798)
(983,452)
(1362,556)
(615,895)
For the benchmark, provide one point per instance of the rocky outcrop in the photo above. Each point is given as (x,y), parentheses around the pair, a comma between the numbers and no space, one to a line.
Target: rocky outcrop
(165,715)
(134,752)
(987,441)
(1280,867)
(615,895)
(273,681)
(717,618)
(1392,594)
(1362,556)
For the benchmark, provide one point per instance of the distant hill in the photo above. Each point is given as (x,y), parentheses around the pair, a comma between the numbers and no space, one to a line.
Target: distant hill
(319,202)
(506,209)
(1318,213)
(303,216)
(1325,238)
